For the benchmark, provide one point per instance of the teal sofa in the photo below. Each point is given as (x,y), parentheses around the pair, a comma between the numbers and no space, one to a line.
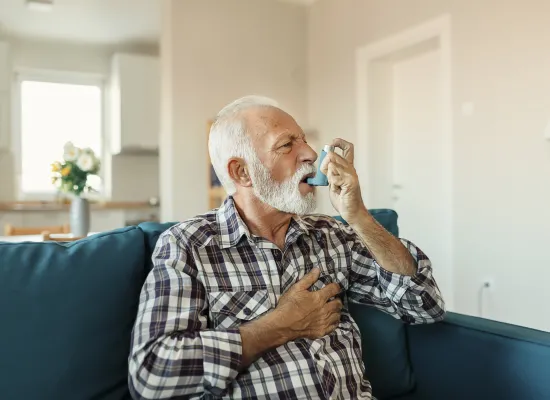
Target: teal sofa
(67,311)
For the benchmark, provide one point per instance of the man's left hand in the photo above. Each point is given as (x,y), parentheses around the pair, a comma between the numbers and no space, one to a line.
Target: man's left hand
(345,196)
(345,193)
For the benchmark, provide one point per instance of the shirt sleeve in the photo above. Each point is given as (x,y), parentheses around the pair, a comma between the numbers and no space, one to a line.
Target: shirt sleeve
(173,354)
(414,299)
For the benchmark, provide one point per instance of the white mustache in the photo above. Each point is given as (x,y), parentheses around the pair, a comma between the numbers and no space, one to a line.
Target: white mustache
(304,170)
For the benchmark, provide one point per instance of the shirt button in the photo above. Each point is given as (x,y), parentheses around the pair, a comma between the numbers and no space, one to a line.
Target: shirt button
(247,311)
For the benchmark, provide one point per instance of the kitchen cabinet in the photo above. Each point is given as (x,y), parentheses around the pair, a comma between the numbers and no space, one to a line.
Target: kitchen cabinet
(135,104)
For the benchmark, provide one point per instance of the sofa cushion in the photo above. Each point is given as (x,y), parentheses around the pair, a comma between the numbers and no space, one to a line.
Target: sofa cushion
(467,357)
(67,312)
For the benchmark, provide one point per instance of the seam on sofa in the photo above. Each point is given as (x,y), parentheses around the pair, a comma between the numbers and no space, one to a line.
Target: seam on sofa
(411,365)
(148,253)
(543,341)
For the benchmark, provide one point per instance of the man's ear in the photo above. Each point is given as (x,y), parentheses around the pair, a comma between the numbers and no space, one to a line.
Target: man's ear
(238,171)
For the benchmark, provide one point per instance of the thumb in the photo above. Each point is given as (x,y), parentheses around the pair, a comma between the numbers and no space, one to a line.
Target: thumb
(309,279)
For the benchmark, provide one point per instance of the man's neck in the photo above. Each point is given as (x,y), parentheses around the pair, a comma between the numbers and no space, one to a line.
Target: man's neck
(263,220)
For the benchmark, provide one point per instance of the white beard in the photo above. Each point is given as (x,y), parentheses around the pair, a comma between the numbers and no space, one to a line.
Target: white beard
(283,196)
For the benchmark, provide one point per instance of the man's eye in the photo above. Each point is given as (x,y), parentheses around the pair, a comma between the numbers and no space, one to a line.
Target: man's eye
(289,144)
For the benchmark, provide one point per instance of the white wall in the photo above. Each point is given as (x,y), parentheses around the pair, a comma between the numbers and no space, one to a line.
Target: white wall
(88,59)
(213,52)
(501,161)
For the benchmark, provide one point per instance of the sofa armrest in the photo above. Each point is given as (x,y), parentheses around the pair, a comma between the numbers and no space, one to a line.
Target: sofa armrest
(471,358)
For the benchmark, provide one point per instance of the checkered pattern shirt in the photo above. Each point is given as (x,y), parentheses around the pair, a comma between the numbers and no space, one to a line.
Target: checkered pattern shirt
(211,275)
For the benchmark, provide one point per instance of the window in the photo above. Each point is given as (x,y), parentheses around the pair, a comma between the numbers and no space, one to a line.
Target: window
(52,114)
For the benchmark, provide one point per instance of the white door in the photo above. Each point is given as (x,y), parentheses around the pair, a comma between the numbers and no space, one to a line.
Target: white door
(418,160)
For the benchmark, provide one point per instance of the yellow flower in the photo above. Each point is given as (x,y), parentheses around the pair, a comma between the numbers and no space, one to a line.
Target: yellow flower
(56,167)
(65,171)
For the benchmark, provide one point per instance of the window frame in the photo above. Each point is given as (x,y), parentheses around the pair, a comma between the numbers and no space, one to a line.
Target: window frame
(62,77)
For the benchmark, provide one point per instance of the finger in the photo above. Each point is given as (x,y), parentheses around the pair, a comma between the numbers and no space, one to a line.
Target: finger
(334,306)
(347,148)
(337,169)
(334,319)
(332,327)
(334,177)
(329,291)
(337,159)
(335,189)
(309,279)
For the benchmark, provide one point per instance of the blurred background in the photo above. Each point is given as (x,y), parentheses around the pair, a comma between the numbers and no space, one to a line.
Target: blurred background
(447,102)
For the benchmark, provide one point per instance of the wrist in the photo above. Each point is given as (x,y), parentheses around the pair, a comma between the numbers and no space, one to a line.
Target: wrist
(359,218)
(260,336)
(278,330)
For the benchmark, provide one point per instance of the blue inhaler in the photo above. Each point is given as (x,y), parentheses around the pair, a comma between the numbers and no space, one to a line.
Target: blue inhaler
(320,179)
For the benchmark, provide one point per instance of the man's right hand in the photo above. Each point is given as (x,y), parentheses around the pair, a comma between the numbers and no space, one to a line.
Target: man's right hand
(305,314)
(299,314)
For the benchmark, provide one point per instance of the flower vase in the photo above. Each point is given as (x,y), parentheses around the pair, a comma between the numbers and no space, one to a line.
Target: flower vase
(80,217)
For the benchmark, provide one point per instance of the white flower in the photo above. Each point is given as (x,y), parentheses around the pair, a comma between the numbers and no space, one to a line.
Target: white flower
(86,162)
(71,152)
(68,145)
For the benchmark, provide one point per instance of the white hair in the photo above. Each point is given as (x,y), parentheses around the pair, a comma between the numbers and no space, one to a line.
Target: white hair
(228,137)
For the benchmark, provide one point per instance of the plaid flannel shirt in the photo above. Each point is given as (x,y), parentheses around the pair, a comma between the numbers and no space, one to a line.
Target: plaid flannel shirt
(211,274)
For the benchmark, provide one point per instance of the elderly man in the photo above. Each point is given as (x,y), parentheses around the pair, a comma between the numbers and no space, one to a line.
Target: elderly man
(249,301)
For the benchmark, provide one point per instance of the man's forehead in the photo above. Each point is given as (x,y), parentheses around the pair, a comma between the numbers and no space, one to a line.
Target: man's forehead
(262,121)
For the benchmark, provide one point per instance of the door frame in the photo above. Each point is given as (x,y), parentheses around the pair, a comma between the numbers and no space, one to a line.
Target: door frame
(439,29)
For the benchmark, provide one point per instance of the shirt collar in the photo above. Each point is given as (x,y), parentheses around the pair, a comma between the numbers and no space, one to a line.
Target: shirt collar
(232,228)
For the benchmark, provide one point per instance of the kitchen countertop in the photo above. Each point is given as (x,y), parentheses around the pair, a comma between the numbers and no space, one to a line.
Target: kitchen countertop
(33,238)
(58,206)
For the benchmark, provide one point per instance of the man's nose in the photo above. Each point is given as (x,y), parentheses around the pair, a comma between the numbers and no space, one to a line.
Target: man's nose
(308,155)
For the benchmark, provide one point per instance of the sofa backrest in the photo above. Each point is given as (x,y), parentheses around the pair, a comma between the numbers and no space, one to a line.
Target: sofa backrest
(66,315)
(67,311)
(466,357)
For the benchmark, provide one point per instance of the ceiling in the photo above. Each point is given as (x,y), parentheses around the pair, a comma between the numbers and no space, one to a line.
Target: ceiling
(97,21)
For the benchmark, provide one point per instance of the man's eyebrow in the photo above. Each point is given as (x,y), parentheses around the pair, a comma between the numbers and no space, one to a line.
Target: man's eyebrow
(291,135)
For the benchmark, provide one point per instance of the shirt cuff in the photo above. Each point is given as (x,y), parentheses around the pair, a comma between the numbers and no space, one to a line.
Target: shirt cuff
(222,352)
(397,285)
(394,285)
